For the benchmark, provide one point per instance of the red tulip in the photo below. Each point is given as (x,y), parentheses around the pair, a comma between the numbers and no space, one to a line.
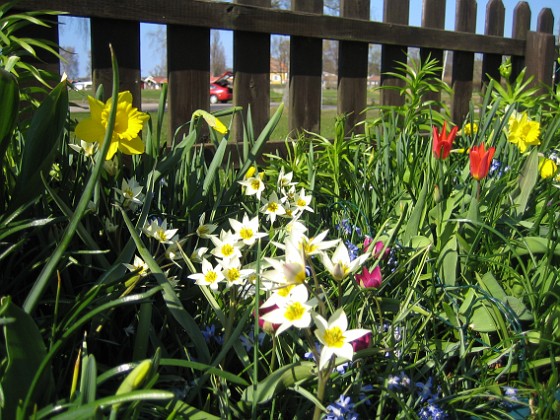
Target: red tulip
(369,279)
(443,141)
(480,161)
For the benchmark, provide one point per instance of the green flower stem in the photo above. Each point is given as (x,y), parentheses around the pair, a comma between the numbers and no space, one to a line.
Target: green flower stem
(46,274)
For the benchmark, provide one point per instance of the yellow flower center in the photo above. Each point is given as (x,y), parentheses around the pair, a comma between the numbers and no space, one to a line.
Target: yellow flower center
(232,274)
(301,202)
(211,277)
(284,291)
(255,184)
(272,207)
(334,337)
(246,233)
(308,247)
(160,235)
(227,250)
(294,311)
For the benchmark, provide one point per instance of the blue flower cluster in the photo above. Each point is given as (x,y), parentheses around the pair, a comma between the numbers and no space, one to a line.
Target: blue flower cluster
(209,334)
(341,409)
(431,411)
(398,382)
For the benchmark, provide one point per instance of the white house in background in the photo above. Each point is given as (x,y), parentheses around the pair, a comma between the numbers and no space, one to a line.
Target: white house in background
(153,82)
(83,85)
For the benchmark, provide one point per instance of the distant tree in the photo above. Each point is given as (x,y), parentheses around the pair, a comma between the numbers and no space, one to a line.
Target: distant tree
(158,41)
(330,56)
(217,55)
(374,61)
(281,53)
(69,62)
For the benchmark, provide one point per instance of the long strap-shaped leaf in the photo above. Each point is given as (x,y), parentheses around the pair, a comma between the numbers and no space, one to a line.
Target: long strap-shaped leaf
(170,297)
(48,270)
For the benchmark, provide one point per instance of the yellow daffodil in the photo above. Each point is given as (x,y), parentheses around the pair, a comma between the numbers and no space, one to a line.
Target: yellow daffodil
(470,129)
(129,121)
(547,168)
(523,132)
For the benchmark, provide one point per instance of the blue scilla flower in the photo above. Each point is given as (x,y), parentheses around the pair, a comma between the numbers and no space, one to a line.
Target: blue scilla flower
(341,369)
(344,226)
(209,332)
(353,250)
(342,409)
(424,390)
(432,412)
(511,397)
(366,389)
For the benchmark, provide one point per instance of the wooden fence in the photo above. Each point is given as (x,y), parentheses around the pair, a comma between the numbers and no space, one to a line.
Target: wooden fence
(253,21)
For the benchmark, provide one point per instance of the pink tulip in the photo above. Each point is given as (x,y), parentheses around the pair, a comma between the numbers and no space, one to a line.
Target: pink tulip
(369,279)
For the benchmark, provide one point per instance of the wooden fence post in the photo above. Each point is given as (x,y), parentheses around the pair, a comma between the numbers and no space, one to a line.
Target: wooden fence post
(541,51)
(353,70)
(540,54)
(433,16)
(545,21)
(124,36)
(495,20)
(521,25)
(188,66)
(306,68)
(463,62)
(394,11)
(251,82)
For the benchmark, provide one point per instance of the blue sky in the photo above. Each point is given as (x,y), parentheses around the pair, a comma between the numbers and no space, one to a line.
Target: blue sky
(73,33)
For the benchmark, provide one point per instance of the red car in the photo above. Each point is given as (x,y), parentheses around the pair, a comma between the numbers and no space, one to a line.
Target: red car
(220,93)
(221,88)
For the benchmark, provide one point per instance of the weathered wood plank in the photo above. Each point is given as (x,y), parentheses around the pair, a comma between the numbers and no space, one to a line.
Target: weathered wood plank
(433,16)
(545,21)
(521,25)
(124,36)
(251,84)
(463,62)
(188,64)
(394,11)
(255,19)
(495,21)
(540,55)
(306,67)
(353,70)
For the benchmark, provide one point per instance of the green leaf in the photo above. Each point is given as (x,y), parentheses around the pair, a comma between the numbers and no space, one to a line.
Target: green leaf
(519,308)
(489,283)
(277,381)
(41,144)
(90,410)
(24,351)
(536,245)
(413,225)
(526,182)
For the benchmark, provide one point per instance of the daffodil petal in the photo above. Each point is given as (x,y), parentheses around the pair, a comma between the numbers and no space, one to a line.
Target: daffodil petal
(90,130)
(112,150)
(132,147)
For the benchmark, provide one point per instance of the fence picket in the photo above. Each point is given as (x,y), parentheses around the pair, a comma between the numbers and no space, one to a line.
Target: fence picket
(463,62)
(433,16)
(124,36)
(495,21)
(394,11)
(353,70)
(188,65)
(306,68)
(521,25)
